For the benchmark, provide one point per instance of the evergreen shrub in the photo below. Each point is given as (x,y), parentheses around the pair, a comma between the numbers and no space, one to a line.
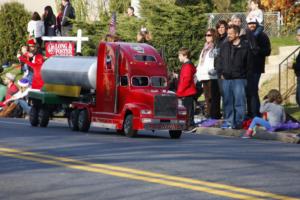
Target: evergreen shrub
(13,30)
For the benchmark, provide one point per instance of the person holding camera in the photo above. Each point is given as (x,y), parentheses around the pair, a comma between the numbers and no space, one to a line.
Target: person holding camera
(273,113)
(144,36)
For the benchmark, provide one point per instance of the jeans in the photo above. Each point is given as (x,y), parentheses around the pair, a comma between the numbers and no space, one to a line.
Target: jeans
(188,103)
(298,91)
(234,101)
(253,103)
(260,121)
(26,108)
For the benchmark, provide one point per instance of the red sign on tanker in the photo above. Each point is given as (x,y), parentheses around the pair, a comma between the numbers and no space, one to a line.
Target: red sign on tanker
(60,49)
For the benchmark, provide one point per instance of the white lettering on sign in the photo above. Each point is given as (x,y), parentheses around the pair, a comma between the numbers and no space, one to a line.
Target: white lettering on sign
(60,49)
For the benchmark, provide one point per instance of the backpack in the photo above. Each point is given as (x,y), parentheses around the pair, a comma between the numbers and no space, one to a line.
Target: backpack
(72,13)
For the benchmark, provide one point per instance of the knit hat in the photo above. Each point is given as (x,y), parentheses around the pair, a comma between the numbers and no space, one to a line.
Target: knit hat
(23,82)
(10,76)
(31,42)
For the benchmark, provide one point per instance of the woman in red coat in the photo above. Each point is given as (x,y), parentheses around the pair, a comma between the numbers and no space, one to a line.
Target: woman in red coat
(186,86)
(36,65)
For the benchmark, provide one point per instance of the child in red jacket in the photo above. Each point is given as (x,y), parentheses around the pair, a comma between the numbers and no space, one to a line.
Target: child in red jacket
(186,86)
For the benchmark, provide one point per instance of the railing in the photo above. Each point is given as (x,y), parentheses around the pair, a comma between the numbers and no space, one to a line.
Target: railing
(287,62)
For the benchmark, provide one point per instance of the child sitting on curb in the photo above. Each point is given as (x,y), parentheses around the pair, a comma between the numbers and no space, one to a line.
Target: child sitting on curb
(274,111)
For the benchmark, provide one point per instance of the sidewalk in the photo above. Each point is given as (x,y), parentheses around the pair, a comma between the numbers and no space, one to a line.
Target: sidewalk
(282,136)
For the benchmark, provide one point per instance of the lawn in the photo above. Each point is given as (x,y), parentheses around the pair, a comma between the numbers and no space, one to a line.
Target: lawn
(277,42)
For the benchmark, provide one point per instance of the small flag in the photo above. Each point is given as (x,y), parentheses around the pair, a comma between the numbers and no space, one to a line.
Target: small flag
(113,22)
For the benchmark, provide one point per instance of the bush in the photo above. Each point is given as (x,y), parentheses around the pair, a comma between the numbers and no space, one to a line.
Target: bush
(171,25)
(13,30)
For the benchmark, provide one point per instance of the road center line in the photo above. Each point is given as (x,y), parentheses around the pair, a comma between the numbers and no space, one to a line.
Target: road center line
(146,176)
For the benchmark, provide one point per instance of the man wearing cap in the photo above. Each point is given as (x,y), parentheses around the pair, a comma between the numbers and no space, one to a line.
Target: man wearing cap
(11,87)
(296,67)
(261,48)
(19,97)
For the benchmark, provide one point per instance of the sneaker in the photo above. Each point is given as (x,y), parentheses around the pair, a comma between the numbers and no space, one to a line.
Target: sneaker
(191,129)
(225,125)
(245,136)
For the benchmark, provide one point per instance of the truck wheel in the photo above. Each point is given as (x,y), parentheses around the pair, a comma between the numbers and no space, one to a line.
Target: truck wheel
(34,116)
(83,121)
(128,126)
(175,134)
(44,116)
(73,120)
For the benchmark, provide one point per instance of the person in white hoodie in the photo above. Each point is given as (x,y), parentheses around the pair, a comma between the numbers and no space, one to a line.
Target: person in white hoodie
(206,74)
(36,28)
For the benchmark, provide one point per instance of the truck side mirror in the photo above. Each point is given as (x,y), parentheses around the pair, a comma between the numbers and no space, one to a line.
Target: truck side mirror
(124,81)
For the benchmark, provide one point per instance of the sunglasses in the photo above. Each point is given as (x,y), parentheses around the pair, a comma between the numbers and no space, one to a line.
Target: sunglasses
(208,35)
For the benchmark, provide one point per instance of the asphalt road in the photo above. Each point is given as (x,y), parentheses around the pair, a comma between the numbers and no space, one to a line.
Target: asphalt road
(56,163)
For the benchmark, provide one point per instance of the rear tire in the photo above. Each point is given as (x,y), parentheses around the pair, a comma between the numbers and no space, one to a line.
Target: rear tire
(128,126)
(34,116)
(44,116)
(73,120)
(83,121)
(175,134)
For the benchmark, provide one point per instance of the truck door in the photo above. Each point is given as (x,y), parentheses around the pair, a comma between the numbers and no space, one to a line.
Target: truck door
(109,81)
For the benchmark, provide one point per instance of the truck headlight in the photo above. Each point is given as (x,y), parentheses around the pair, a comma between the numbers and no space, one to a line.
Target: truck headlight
(146,112)
(182,112)
(146,120)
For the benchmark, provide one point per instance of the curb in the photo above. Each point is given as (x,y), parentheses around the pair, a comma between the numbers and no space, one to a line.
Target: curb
(282,136)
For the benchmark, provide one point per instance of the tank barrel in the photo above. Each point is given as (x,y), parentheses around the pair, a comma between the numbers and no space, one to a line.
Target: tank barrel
(73,71)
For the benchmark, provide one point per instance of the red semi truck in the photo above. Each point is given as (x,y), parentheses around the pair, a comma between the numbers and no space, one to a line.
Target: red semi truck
(124,88)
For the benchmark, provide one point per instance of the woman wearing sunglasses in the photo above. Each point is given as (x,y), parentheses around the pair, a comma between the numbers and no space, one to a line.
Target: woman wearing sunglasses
(206,74)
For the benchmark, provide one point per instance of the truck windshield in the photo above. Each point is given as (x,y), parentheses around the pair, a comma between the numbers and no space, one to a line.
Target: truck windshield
(158,81)
(140,81)
(144,58)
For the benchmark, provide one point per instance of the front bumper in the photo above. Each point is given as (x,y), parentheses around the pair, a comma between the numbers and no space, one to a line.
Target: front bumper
(158,125)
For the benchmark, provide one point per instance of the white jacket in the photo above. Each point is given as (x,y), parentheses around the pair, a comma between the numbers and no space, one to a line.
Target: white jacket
(203,68)
(36,28)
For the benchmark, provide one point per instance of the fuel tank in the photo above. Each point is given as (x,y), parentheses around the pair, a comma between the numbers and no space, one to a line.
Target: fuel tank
(76,71)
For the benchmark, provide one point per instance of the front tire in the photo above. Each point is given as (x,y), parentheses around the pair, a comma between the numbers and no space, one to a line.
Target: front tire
(128,126)
(175,134)
(83,121)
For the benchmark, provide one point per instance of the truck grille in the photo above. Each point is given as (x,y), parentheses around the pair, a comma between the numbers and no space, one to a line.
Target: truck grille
(165,105)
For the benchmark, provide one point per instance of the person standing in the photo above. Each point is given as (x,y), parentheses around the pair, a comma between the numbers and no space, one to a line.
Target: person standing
(59,19)
(130,11)
(221,28)
(49,21)
(206,74)
(68,15)
(232,67)
(186,86)
(36,29)
(296,67)
(260,47)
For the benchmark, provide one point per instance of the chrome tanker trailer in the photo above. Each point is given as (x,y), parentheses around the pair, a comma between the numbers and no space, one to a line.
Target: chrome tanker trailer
(124,88)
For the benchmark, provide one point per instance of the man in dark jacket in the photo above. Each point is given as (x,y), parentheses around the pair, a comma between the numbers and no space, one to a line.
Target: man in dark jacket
(296,67)
(260,48)
(232,67)
(68,15)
